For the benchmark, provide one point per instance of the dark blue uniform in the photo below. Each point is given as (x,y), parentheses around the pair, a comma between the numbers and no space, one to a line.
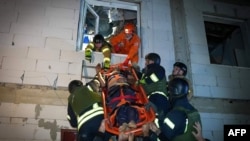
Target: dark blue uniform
(154,84)
(178,123)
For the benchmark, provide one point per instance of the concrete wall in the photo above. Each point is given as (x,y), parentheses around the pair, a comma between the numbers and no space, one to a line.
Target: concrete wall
(156,31)
(227,86)
(38,60)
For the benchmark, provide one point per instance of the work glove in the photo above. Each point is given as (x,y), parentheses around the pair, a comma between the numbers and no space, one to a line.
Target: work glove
(88,55)
(106,64)
(142,81)
(125,63)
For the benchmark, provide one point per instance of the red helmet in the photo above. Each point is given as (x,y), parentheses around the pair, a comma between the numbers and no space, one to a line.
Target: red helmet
(129,28)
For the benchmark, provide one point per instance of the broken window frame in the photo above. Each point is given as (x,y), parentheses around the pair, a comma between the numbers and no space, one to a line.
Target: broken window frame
(244,34)
(86,5)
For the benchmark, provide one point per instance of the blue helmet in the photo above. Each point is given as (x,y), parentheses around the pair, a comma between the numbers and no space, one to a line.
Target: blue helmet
(178,87)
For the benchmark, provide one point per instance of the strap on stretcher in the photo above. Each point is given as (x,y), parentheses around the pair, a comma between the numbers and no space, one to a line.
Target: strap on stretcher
(146,115)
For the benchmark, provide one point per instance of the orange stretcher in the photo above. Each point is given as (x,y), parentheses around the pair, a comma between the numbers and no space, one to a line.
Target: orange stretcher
(146,113)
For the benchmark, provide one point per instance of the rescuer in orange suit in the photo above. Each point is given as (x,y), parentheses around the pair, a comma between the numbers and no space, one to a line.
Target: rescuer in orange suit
(127,42)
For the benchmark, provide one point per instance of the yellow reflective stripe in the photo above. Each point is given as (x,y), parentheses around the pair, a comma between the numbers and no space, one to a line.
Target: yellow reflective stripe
(106,59)
(68,117)
(158,92)
(169,123)
(89,113)
(154,78)
(80,123)
(95,105)
(157,122)
(90,88)
(97,110)
(91,45)
(186,126)
(89,49)
(105,50)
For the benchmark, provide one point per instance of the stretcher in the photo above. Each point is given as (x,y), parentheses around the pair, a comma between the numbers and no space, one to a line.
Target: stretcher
(146,112)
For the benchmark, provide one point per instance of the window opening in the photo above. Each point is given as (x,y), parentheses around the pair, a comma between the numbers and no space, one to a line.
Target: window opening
(105,17)
(225,43)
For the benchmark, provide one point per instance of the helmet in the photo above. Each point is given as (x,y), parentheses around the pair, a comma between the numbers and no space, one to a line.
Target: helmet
(129,28)
(154,57)
(178,87)
(98,38)
(74,84)
(182,66)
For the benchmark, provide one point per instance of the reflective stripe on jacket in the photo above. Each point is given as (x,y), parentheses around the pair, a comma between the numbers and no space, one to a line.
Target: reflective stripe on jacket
(192,117)
(82,98)
(95,110)
(105,49)
(155,78)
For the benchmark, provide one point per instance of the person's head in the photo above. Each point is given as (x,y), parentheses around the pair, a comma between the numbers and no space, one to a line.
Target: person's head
(179,69)
(178,88)
(129,29)
(152,58)
(73,85)
(98,40)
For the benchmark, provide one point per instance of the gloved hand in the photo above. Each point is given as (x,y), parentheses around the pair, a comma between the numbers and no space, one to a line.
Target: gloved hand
(142,81)
(125,63)
(88,55)
(106,64)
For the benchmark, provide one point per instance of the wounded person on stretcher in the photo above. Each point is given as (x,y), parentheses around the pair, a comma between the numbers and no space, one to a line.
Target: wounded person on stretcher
(120,99)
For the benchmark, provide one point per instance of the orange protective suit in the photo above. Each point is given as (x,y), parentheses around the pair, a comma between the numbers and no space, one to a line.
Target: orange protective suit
(123,46)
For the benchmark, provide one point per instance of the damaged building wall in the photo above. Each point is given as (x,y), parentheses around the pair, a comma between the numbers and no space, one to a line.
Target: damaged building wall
(224,90)
(31,112)
(37,61)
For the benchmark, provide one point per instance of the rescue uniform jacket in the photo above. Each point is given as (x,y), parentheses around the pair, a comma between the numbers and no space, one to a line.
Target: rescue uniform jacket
(155,79)
(155,88)
(85,112)
(178,123)
(131,47)
(106,50)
